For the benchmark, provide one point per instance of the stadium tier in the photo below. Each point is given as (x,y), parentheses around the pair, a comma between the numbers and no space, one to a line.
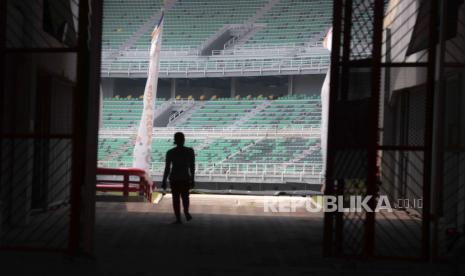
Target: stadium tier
(314,157)
(267,152)
(279,150)
(286,112)
(123,18)
(294,22)
(123,112)
(110,146)
(241,154)
(289,113)
(207,38)
(220,113)
(201,39)
(219,150)
(123,149)
(191,22)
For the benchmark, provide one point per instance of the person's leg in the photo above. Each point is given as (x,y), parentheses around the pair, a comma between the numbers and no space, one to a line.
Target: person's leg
(176,204)
(185,202)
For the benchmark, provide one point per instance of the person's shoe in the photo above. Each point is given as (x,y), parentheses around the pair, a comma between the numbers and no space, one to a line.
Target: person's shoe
(188,217)
(178,221)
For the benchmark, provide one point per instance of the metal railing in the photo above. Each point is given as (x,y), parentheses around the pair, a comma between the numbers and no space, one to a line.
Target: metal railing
(105,48)
(235,169)
(241,30)
(266,168)
(267,52)
(190,50)
(184,108)
(281,46)
(239,132)
(320,63)
(107,181)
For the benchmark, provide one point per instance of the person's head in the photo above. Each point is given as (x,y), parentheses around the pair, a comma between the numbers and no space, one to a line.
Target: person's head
(179,139)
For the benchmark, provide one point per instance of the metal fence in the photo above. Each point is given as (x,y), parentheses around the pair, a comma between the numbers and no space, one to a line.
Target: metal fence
(248,172)
(48,110)
(228,132)
(303,64)
(394,110)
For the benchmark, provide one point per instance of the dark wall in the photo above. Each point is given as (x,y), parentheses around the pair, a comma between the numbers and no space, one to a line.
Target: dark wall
(308,84)
(255,86)
(38,102)
(203,86)
(135,87)
(276,86)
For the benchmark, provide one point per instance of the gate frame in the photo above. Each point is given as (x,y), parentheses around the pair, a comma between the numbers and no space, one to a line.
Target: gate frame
(333,223)
(85,123)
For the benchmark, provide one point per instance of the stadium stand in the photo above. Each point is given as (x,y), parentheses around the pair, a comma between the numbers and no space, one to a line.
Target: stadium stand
(294,22)
(220,113)
(190,22)
(312,158)
(225,154)
(109,146)
(123,112)
(280,150)
(220,149)
(124,155)
(123,18)
(161,146)
(298,26)
(289,112)
(285,112)
(228,152)
(232,136)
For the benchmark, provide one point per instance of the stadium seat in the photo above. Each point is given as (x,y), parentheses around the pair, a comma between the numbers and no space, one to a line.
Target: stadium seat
(123,112)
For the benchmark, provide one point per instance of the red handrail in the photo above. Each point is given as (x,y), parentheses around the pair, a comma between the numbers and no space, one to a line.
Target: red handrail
(144,186)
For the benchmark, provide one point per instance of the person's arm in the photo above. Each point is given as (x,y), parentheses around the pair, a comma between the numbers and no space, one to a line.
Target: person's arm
(192,168)
(167,170)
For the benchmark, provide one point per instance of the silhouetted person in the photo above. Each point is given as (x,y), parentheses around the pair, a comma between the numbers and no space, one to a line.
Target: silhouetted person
(180,167)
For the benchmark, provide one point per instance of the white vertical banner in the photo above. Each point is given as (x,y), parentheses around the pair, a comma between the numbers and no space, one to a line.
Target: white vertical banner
(143,145)
(327,43)
(100,109)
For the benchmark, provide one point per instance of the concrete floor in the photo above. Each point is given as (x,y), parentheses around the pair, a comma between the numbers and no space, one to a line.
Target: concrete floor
(229,235)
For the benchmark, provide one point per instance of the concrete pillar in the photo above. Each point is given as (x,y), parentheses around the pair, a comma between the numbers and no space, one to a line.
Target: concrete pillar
(233,87)
(173,88)
(290,85)
(100,108)
(108,87)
